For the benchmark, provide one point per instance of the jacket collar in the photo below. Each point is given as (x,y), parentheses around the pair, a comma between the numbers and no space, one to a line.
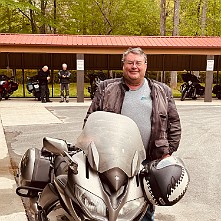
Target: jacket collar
(150,82)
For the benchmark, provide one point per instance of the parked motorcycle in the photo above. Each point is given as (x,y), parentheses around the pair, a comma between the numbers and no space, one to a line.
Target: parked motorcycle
(94,81)
(217,91)
(191,87)
(33,87)
(101,178)
(7,86)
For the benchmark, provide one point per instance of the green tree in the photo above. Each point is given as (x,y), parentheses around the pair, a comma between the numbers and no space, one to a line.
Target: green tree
(111,17)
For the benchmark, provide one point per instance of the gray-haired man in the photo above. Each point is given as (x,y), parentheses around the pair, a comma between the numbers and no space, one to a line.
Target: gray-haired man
(148,102)
(64,76)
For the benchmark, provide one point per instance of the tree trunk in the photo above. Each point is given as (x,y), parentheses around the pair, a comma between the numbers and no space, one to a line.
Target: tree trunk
(43,12)
(203,18)
(214,17)
(173,80)
(163,17)
(162,29)
(176,17)
(9,20)
(104,11)
(176,21)
(32,20)
(55,16)
(157,77)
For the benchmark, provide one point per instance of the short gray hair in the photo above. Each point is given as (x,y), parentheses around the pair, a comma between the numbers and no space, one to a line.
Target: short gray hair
(45,68)
(137,50)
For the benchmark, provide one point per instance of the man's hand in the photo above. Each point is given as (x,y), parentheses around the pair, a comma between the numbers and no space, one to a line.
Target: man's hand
(48,78)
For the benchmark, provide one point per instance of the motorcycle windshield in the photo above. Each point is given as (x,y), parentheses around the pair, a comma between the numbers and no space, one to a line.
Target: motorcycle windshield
(190,77)
(117,140)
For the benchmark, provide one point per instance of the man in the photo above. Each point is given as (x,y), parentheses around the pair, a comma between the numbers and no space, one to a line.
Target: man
(64,76)
(44,77)
(149,103)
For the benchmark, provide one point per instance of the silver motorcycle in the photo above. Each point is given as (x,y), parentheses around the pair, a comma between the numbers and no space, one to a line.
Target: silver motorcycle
(101,178)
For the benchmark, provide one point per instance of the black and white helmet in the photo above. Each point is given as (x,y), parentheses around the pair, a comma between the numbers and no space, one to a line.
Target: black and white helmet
(165,182)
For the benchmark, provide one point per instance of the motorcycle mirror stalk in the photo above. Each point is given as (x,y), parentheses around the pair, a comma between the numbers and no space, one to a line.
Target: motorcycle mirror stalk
(60,147)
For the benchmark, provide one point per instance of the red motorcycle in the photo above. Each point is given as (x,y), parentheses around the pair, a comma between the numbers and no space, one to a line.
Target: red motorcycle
(7,86)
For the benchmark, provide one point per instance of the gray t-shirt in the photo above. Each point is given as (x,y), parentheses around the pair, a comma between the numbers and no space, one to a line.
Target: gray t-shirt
(137,105)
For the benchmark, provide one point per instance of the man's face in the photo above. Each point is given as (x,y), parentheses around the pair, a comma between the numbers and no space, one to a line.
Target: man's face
(134,69)
(45,68)
(64,67)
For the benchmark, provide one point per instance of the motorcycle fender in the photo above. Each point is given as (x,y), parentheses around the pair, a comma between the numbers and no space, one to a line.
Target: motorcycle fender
(48,198)
(61,185)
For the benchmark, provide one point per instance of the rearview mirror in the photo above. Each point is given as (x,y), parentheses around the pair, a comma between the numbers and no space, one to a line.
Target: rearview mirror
(55,146)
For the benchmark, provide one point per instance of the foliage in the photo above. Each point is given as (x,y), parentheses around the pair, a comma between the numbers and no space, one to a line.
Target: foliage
(106,17)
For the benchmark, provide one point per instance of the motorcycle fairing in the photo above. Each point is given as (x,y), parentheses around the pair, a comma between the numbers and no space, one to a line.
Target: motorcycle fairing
(88,194)
(112,140)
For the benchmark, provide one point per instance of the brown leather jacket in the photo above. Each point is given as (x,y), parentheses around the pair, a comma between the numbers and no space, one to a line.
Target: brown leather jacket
(165,121)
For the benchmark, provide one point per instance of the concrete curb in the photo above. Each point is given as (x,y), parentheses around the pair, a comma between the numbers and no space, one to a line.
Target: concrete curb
(11,205)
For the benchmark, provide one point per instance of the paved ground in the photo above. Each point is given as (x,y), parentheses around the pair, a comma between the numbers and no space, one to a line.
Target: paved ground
(26,122)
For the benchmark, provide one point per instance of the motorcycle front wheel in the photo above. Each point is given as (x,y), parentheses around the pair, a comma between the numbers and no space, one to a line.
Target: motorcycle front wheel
(194,97)
(6,97)
(57,214)
(183,95)
(40,216)
(38,95)
(218,96)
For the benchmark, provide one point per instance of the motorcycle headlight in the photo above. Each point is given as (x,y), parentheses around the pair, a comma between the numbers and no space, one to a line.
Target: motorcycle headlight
(91,203)
(132,208)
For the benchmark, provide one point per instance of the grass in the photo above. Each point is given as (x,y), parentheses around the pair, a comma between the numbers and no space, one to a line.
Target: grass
(56,90)
(176,91)
(73,90)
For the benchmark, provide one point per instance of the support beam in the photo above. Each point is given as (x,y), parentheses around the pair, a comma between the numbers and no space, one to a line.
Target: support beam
(52,76)
(80,77)
(23,75)
(209,78)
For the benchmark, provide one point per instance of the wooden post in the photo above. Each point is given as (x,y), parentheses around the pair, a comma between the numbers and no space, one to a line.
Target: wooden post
(80,77)
(23,74)
(209,78)
(52,76)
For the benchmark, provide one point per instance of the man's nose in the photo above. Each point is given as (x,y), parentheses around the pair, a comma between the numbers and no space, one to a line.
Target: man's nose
(134,65)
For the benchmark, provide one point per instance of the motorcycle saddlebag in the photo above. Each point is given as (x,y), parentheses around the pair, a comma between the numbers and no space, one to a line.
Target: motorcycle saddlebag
(34,169)
(14,86)
(200,89)
(216,89)
(30,87)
